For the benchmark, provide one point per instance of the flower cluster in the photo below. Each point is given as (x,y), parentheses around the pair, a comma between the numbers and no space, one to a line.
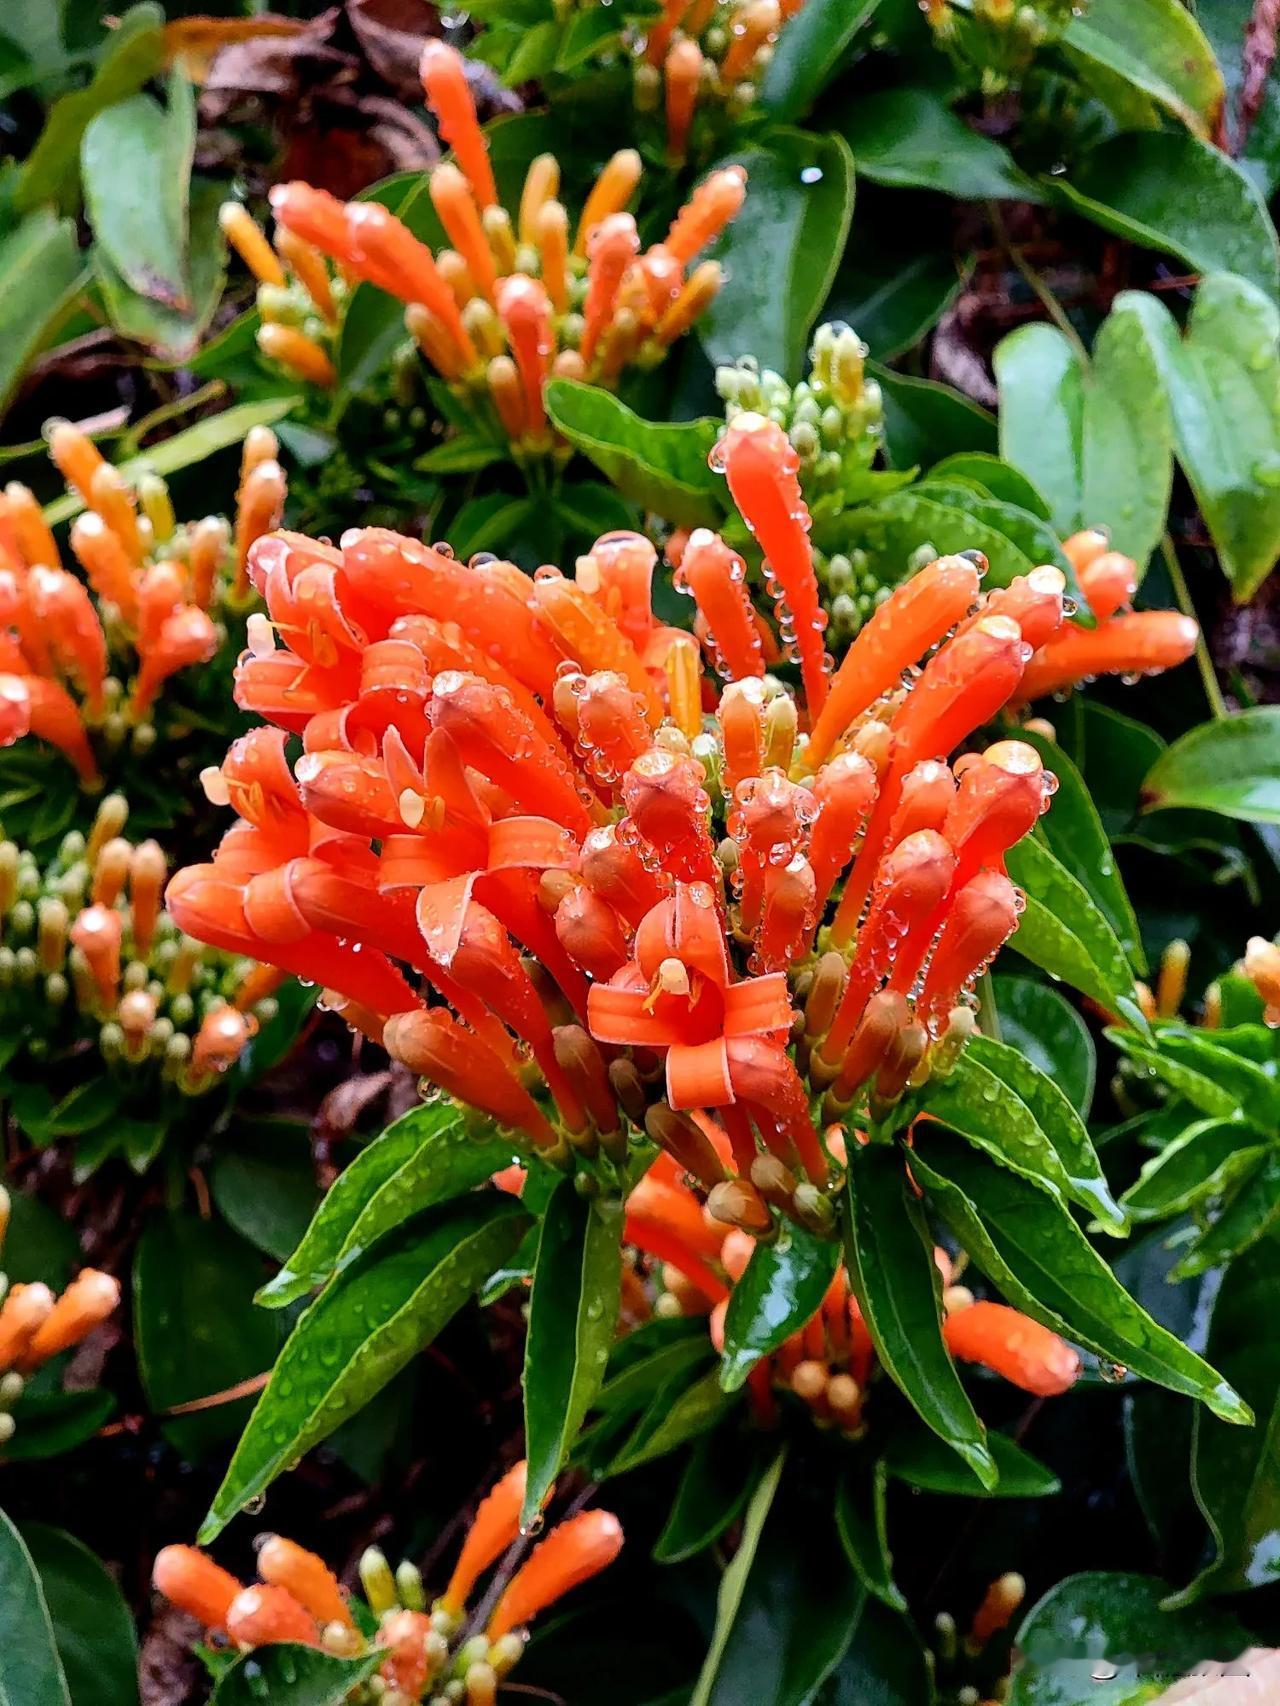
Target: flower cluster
(299,299)
(514,299)
(994,43)
(829,1362)
(708,54)
(443,1654)
(36,1325)
(81,666)
(728,919)
(88,954)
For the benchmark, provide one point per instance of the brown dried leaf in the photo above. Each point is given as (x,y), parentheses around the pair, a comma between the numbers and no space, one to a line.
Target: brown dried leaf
(391,33)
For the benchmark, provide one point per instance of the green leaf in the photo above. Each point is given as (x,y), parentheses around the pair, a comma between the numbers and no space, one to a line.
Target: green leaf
(1198,1164)
(910,139)
(1063,931)
(174,332)
(722,1472)
(573,1314)
(135,52)
(1230,766)
(50,1423)
(1026,1242)
(781,1288)
(1110,1623)
(891,530)
(1223,381)
(461,455)
(1095,437)
(40,271)
(286,1675)
(924,421)
(808,53)
(920,1460)
(135,162)
(1167,190)
(1242,1087)
(1233,1469)
(1048,1030)
(1157,46)
(92,1625)
(427,1156)
(31,1670)
(263,1183)
(1002,1102)
(994,477)
(660,465)
(781,257)
(788,1605)
(861,1525)
(889,1255)
(673,1418)
(361,1331)
(885,1664)
(195,1326)
(1027,531)
(893,296)
(1252,1212)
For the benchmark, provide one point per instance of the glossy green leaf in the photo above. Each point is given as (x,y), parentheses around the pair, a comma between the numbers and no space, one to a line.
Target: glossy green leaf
(995,477)
(361,1331)
(781,1288)
(649,1359)
(196,1330)
(263,1183)
(573,1314)
(861,1522)
(1223,381)
(780,259)
(1230,766)
(1002,1102)
(1096,438)
(1073,830)
(1062,930)
(1198,1164)
(1167,190)
(286,1675)
(31,1670)
(722,1472)
(1047,1029)
(40,271)
(1215,1055)
(920,1460)
(1234,1469)
(1158,46)
(50,1423)
(910,139)
(892,529)
(1251,1212)
(92,1625)
(924,421)
(427,1156)
(809,52)
(788,1606)
(1026,1242)
(135,52)
(135,163)
(889,1256)
(678,1412)
(1025,529)
(1108,1639)
(659,464)
(885,1664)
(174,332)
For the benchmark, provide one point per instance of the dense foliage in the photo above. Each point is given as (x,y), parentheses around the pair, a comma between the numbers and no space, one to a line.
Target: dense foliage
(639,787)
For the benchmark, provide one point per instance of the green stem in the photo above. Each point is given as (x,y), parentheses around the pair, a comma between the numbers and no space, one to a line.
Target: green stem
(1212,691)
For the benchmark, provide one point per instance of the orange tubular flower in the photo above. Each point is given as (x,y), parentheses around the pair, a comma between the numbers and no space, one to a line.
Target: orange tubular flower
(196,1585)
(444,81)
(681,74)
(716,577)
(266,1616)
(1141,643)
(85,1304)
(611,248)
(496,1526)
(715,202)
(570,1555)
(1025,1353)
(525,310)
(25,1310)
(309,1579)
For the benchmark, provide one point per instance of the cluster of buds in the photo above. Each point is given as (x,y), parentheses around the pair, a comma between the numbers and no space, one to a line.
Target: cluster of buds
(36,1326)
(88,953)
(537,849)
(1125,642)
(994,43)
(81,666)
(829,1363)
(440,1653)
(516,298)
(708,54)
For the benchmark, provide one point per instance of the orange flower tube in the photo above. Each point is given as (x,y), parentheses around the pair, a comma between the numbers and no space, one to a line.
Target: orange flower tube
(265,1616)
(1142,643)
(716,201)
(386,251)
(756,23)
(1085,547)
(62,606)
(196,1585)
(284,1564)
(97,932)
(570,1555)
(789,913)
(435,1046)
(1108,582)
(761,467)
(590,637)
(187,637)
(914,617)
(404,1635)
(23,1313)
(316,216)
(496,1525)
(612,869)
(609,194)
(75,455)
(1000,798)
(682,74)
(981,920)
(1033,601)
(105,562)
(666,803)
(31,705)
(246,238)
(525,310)
(452,199)
(591,933)
(611,248)
(85,1304)
(741,716)
(846,792)
(1014,1346)
(444,80)
(612,729)
(617,572)
(717,578)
